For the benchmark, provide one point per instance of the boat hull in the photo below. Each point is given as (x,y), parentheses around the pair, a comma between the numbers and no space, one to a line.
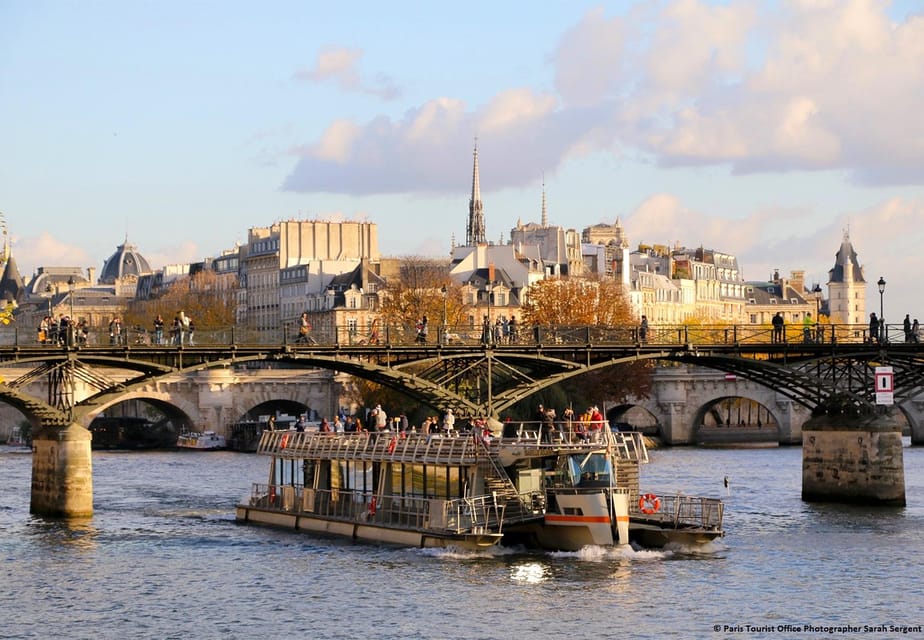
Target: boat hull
(363,531)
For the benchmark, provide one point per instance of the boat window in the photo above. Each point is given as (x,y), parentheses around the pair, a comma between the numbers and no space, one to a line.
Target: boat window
(594,468)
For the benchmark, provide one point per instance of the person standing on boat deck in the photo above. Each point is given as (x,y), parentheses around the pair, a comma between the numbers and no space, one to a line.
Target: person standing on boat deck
(425,426)
(300,425)
(380,418)
(596,421)
(271,424)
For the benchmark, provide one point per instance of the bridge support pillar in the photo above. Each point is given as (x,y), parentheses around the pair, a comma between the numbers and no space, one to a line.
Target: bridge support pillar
(853,459)
(62,472)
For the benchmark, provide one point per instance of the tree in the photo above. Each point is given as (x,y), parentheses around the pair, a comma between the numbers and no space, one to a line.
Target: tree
(577,302)
(199,296)
(421,288)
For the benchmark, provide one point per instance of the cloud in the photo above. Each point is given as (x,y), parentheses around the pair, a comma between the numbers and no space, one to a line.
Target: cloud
(521,134)
(757,87)
(44,250)
(339,66)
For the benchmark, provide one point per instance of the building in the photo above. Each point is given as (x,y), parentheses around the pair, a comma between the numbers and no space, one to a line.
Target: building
(846,286)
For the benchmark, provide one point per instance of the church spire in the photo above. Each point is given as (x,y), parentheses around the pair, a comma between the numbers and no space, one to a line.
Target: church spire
(475,233)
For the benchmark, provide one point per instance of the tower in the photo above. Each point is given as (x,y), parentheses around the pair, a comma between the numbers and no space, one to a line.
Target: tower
(475,234)
(846,286)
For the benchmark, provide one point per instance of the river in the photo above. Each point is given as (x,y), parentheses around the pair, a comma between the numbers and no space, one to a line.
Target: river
(163,558)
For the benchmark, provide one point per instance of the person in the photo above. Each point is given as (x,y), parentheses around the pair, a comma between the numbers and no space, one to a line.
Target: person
(300,425)
(915,331)
(449,421)
(184,327)
(486,331)
(115,331)
(873,327)
(190,332)
(643,330)
(778,324)
(159,329)
(596,423)
(380,418)
(271,424)
(423,329)
(425,426)
(807,325)
(906,326)
(567,418)
(304,327)
(512,326)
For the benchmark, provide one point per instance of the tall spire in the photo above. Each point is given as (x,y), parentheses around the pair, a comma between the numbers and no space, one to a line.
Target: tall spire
(545,213)
(475,233)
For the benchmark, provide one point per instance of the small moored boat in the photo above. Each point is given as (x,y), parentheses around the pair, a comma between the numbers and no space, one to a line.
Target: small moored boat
(202,441)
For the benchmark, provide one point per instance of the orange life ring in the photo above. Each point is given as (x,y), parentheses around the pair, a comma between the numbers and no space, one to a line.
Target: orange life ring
(649,503)
(392,444)
(285,441)
(372,507)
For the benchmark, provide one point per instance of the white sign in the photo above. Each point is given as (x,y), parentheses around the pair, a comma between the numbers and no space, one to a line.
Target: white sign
(885,385)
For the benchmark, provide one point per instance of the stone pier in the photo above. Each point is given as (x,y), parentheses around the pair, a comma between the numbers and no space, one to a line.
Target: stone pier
(62,472)
(853,457)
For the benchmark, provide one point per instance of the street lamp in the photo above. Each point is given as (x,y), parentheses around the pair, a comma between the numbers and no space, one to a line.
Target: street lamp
(445,293)
(71,285)
(882,335)
(819,330)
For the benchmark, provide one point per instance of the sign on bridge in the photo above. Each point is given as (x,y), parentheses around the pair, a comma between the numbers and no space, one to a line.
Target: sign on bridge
(885,385)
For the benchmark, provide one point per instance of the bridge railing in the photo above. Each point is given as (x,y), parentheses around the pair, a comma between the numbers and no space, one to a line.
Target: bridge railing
(468,335)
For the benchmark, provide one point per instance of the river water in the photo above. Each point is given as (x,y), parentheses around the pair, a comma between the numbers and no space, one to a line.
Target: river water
(163,558)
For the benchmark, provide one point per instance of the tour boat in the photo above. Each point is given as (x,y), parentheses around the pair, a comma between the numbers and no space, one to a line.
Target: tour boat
(201,441)
(471,490)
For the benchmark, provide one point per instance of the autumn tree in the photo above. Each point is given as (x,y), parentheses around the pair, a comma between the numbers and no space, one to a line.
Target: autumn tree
(577,302)
(420,288)
(199,296)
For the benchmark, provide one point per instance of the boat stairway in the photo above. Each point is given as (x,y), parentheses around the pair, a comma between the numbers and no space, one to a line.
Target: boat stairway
(516,509)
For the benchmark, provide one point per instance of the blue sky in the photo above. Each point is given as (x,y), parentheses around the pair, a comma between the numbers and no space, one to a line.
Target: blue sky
(763,129)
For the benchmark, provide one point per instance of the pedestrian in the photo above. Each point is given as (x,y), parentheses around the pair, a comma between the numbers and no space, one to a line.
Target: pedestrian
(486,331)
(159,329)
(915,331)
(873,328)
(906,326)
(449,421)
(778,325)
(190,332)
(423,329)
(807,331)
(643,330)
(304,327)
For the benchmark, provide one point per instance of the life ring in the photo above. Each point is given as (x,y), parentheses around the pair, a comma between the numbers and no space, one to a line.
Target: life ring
(649,503)
(392,444)
(372,507)
(285,441)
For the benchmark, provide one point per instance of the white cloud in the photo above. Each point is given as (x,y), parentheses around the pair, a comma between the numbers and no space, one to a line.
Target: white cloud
(757,87)
(339,65)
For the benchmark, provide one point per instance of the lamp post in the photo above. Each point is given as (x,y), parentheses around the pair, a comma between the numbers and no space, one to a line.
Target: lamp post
(882,334)
(71,285)
(819,330)
(445,293)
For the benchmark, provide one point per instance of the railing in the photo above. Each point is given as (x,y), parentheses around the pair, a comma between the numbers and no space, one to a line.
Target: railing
(456,516)
(680,512)
(467,335)
(458,447)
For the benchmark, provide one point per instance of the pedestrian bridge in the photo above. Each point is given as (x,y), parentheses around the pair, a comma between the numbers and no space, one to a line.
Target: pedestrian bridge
(472,373)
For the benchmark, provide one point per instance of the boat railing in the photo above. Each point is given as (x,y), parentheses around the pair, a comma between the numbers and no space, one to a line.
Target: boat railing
(477,514)
(680,511)
(457,448)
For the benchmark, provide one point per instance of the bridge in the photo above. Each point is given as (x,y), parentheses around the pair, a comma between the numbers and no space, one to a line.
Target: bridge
(475,374)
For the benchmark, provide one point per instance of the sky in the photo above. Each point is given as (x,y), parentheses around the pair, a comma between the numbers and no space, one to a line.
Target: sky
(764,129)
